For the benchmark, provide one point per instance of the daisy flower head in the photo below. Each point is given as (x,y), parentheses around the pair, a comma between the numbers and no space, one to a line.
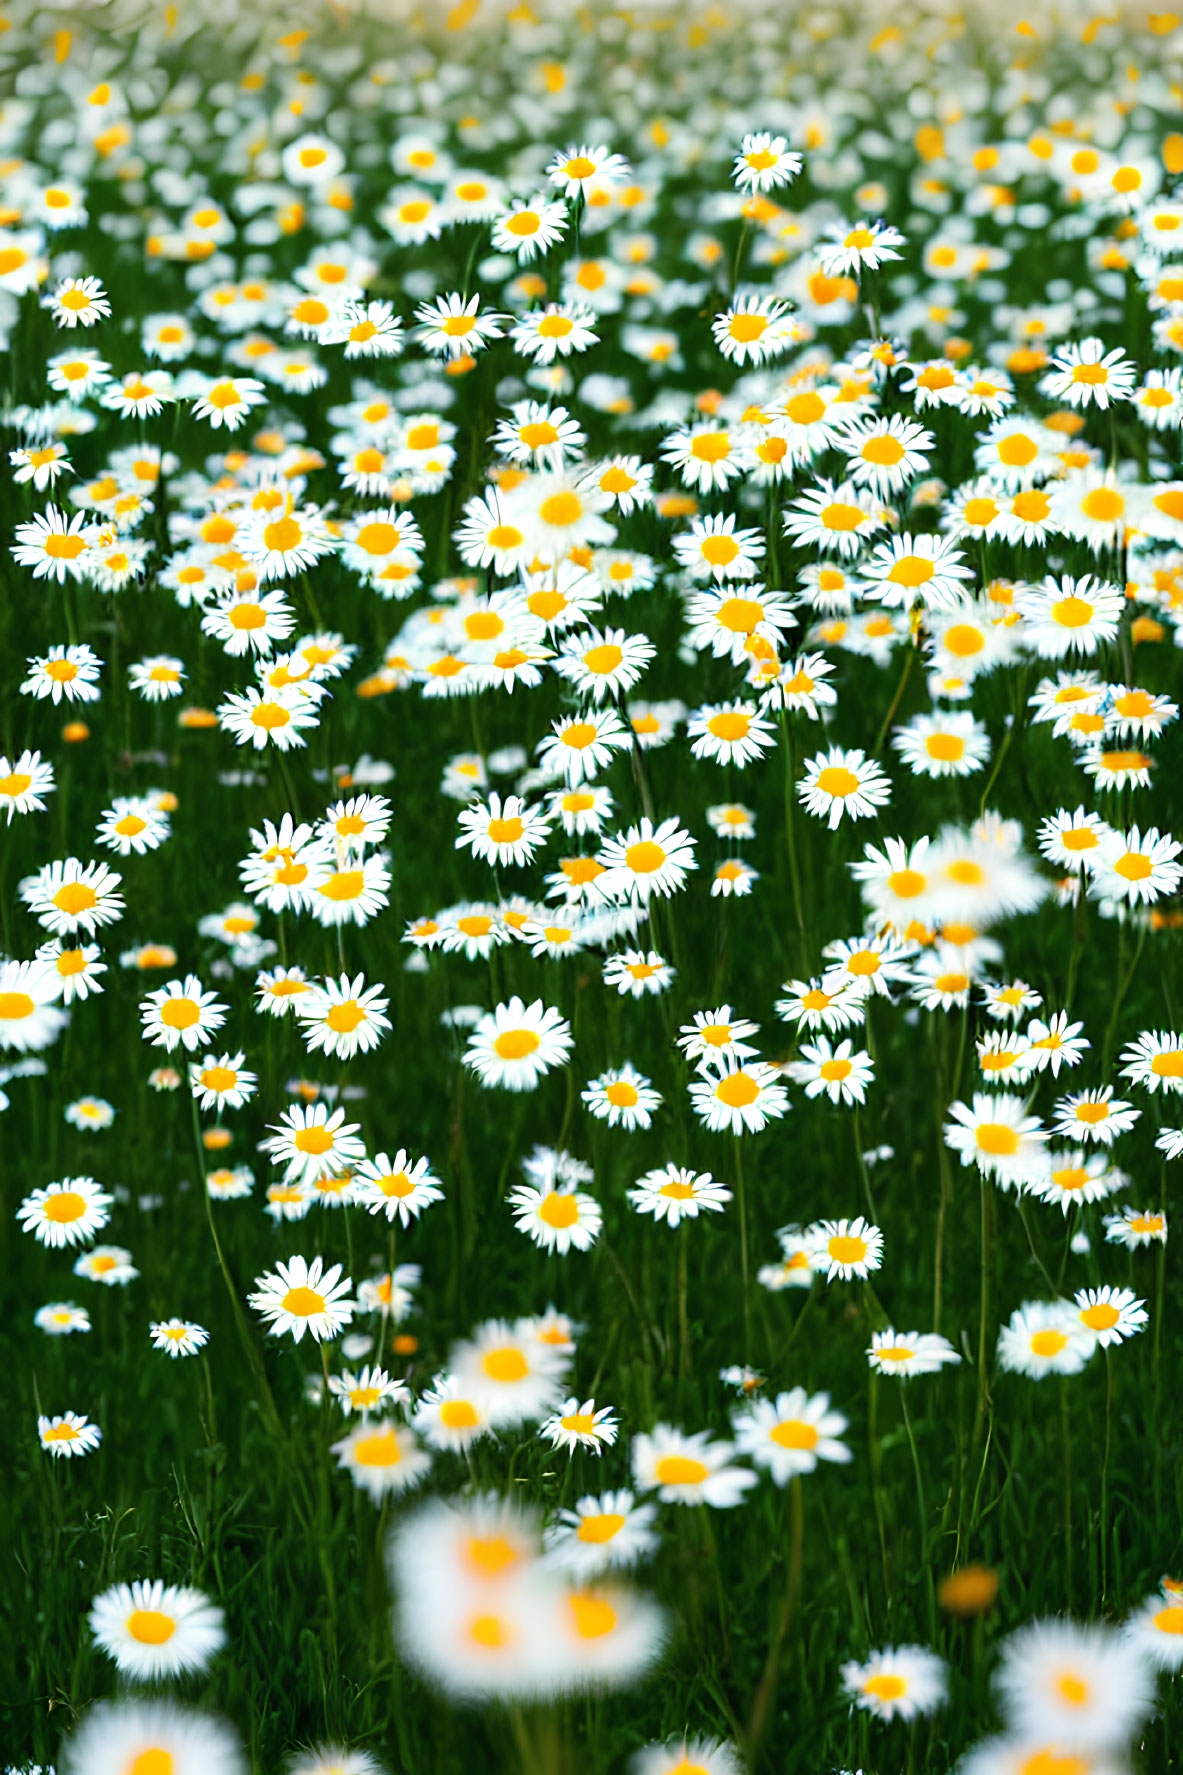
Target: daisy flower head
(60,1318)
(447,1419)
(516,1045)
(1055,1043)
(68,1435)
(576,166)
(41,466)
(260,718)
(706,456)
(181,1013)
(838,1073)
(66,1213)
(58,547)
(343,1017)
(790,1434)
(635,973)
(222,1081)
(1136,1227)
(1079,1684)
(178,1337)
(583,747)
(605,1532)
(910,570)
(1111,1314)
(382,1456)
(367,1391)
(902,1354)
(352,892)
(399,1187)
(1094,1115)
(845,1248)
(811,1007)
(228,401)
(1045,1337)
(704,1756)
(78,302)
(578,1424)
(309,1141)
(556,330)
(77,374)
(736,1096)
(556,1218)
(997,1135)
(689,1468)
(513,1376)
(109,1264)
(833,517)
(948,744)
(1066,615)
(753,329)
(529,226)
(298,1297)
(365,329)
(116,1735)
(900,1682)
(64,671)
(30,1017)
(673,1193)
(1087,375)
(847,251)
(647,860)
(153,1629)
(763,162)
(1137,867)
(884,455)
(604,663)
(622,1097)
(729,733)
(840,782)
(453,328)
(1157,1630)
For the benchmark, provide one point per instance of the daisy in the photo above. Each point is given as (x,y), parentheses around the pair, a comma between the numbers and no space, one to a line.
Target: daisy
(689,1469)
(343,1017)
(673,1194)
(513,1376)
(706,457)
(448,1420)
(65,1213)
(789,1435)
(1069,615)
(68,1435)
(228,401)
(366,1391)
(1111,1314)
(813,1008)
(637,972)
(556,1219)
(218,1082)
(866,965)
(1135,1227)
(604,1532)
(999,1137)
(277,717)
(556,330)
(732,620)
(77,374)
(580,1425)
(298,1296)
(1044,1337)
(1086,374)
(109,1264)
(181,1012)
(310,1142)
(1138,867)
(604,662)
(115,1736)
(901,1682)
(832,517)
(582,748)
(753,329)
(352,894)
(382,1456)
(764,161)
(23,782)
(1074,840)
(451,327)
(622,1097)
(365,329)
(40,466)
(70,672)
(729,733)
(1080,1684)
(917,569)
(177,1337)
(647,860)
(906,1353)
(839,1073)
(737,1096)
(529,226)
(884,455)
(845,1248)
(575,166)
(155,1630)
(516,1045)
(396,1187)
(1118,770)
(943,745)
(1094,1115)
(57,547)
(841,782)
(1055,1043)
(61,1317)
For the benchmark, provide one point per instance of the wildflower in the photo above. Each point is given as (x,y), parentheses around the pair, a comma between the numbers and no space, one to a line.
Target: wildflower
(297,1297)
(764,161)
(577,1425)
(1044,1337)
(673,1194)
(996,1135)
(790,1434)
(841,782)
(343,1017)
(604,1532)
(382,1456)
(1077,1684)
(839,1073)
(61,1317)
(689,1469)
(65,1213)
(906,1353)
(738,1097)
(515,1045)
(901,1682)
(397,1187)
(622,1097)
(68,1435)
(1135,1227)
(152,1630)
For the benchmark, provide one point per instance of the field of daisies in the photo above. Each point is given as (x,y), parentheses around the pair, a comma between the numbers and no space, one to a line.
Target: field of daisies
(590,925)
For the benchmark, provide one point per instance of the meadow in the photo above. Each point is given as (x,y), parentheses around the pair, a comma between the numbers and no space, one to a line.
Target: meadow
(591,990)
